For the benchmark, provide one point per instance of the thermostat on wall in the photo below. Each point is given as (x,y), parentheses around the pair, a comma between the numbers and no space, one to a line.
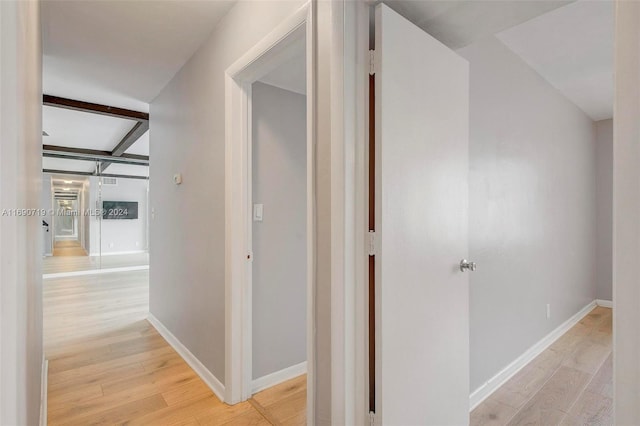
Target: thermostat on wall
(177,178)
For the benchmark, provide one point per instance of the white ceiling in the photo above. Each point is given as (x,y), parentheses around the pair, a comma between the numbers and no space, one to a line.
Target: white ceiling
(127,169)
(116,53)
(290,75)
(69,165)
(570,44)
(572,48)
(458,23)
(121,53)
(83,130)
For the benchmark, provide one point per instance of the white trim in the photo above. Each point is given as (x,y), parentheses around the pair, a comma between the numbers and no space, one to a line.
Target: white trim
(115,253)
(43,392)
(604,303)
(67,237)
(95,271)
(207,377)
(278,377)
(267,54)
(484,391)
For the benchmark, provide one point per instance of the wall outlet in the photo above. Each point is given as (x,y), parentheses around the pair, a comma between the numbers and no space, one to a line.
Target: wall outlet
(137,243)
(111,245)
(548,311)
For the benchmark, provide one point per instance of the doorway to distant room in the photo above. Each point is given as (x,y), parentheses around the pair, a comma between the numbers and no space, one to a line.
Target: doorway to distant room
(278,232)
(269,190)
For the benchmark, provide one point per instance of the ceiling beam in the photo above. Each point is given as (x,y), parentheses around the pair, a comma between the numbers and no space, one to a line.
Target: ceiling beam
(125,143)
(55,101)
(67,172)
(129,139)
(83,154)
(93,153)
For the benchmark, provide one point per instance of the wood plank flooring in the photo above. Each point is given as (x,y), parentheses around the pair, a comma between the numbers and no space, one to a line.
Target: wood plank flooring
(570,383)
(57,264)
(108,365)
(68,248)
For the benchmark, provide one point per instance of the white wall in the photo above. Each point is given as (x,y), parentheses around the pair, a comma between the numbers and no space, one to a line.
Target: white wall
(86,218)
(119,235)
(604,209)
(187,271)
(20,237)
(279,240)
(626,211)
(532,208)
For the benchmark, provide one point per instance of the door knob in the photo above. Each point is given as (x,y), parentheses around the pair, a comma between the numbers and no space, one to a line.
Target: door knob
(466,265)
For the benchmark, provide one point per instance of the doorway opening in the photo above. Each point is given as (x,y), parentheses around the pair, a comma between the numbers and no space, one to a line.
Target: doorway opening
(278,239)
(270,225)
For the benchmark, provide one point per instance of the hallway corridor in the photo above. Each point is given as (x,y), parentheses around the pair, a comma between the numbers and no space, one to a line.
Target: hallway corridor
(68,248)
(108,365)
(570,383)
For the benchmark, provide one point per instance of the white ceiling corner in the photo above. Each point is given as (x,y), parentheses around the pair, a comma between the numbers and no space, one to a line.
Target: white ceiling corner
(458,23)
(572,48)
(291,74)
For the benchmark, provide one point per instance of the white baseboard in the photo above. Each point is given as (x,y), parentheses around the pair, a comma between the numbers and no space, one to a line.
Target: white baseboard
(484,391)
(210,380)
(95,271)
(604,303)
(116,253)
(43,392)
(278,377)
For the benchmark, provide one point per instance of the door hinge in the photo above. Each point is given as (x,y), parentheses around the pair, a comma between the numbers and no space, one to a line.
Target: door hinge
(372,418)
(372,62)
(372,245)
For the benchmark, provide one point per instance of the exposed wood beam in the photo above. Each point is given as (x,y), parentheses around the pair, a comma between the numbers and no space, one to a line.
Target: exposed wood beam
(119,160)
(129,139)
(125,143)
(93,153)
(67,172)
(92,108)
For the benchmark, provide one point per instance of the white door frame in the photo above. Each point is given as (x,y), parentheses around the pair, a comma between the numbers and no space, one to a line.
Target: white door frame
(258,61)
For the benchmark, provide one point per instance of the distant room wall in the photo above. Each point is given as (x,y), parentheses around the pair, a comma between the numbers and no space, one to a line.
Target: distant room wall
(279,241)
(120,235)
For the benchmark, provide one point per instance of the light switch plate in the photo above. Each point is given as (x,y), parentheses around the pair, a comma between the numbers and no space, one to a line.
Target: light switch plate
(257,212)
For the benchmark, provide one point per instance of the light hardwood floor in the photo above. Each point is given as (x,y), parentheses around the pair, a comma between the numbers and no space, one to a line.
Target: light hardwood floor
(108,365)
(68,248)
(570,383)
(57,264)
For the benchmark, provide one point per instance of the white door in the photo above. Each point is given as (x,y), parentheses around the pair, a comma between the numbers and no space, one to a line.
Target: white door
(422,296)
